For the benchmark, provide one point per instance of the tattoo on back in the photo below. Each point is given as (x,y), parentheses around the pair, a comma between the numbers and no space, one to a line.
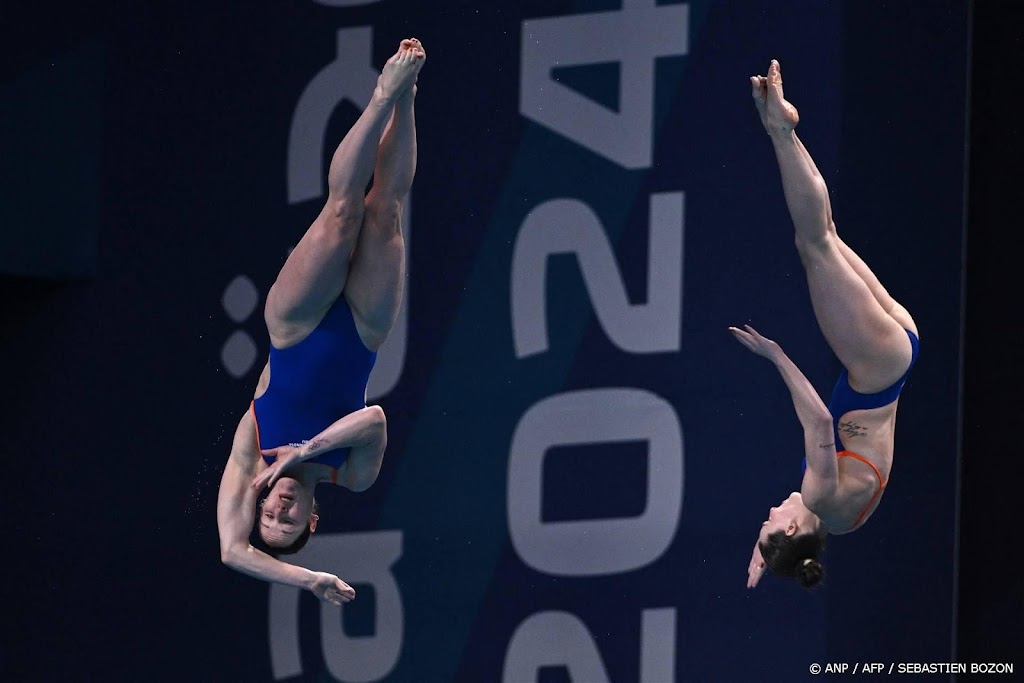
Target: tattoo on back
(851,428)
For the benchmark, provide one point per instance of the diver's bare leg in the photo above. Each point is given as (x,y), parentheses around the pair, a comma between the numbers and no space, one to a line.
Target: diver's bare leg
(868,341)
(317,270)
(887,302)
(377,275)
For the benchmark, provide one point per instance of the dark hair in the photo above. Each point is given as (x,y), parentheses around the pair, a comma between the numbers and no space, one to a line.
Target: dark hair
(256,539)
(795,556)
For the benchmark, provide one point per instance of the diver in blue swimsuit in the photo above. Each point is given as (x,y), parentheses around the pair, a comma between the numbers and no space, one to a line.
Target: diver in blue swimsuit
(848,444)
(332,306)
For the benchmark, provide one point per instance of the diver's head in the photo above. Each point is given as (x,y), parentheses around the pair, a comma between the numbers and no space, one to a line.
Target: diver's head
(791,540)
(285,518)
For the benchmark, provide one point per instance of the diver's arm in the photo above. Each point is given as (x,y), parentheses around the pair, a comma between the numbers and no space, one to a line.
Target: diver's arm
(362,466)
(819,439)
(755,570)
(810,410)
(364,431)
(822,475)
(813,414)
(236,511)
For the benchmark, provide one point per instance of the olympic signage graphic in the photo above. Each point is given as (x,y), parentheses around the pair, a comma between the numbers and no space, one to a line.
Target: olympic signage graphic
(642,32)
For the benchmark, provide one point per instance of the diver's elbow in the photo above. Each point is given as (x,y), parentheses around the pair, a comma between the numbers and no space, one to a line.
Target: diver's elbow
(229,556)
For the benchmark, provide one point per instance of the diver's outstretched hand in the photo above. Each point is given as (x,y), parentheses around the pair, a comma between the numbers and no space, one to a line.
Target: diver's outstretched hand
(329,588)
(762,346)
(756,568)
(778,116)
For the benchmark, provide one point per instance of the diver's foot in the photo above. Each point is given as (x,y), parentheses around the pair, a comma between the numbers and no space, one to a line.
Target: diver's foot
(779,116)
(399,74)
(416,46)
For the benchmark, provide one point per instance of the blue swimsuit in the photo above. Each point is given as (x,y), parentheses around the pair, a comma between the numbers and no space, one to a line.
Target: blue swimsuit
(314,384)
(845,399)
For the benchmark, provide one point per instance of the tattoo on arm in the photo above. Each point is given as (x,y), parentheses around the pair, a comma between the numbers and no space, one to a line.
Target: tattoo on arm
(315,445)
(830,444)
(851,428)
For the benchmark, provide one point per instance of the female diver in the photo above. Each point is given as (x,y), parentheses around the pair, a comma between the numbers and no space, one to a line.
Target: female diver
(849,443)
(332,306)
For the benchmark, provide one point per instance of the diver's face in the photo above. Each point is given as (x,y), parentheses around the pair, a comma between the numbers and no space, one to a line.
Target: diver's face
(286,512)
(784,517)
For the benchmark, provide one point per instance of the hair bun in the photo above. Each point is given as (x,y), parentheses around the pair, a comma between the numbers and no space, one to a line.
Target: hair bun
(810,572)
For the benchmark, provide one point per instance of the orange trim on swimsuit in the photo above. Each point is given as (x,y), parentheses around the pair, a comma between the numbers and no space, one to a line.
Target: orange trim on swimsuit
(878,474)
(252,407)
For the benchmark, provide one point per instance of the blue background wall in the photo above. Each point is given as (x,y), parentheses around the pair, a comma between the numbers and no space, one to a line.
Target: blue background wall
(156,140)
